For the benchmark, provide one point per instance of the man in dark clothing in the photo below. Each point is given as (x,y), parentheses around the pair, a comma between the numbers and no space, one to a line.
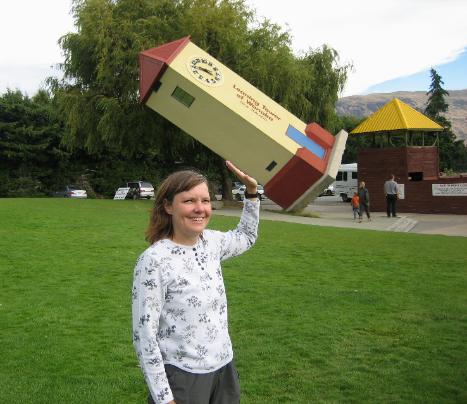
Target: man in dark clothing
(364,197)
(391,191)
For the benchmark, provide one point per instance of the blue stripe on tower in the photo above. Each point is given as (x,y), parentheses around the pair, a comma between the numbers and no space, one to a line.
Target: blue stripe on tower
(306,142)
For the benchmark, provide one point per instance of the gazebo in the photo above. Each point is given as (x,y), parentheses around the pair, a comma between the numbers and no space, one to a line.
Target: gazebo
(399,136)
(397,119)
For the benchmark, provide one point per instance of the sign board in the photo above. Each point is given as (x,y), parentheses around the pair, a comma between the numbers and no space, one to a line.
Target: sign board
(401,189)
(121,193)
(458,189)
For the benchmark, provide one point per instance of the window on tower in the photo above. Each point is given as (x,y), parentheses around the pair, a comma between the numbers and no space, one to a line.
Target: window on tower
(182,96)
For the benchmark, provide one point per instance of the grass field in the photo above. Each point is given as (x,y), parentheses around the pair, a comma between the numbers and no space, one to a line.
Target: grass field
(316,314)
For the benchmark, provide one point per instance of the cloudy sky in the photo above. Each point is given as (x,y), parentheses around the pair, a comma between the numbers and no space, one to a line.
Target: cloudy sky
(391,44)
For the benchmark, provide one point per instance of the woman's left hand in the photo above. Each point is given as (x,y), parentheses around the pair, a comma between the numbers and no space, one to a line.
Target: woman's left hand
(250,183)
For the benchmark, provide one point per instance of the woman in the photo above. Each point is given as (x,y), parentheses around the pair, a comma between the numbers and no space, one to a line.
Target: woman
(364,199)
(180,329)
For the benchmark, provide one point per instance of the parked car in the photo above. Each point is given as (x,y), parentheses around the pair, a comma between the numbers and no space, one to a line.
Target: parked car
(140,190)
(328,191)
(261,193)
(72,191)
(238,192)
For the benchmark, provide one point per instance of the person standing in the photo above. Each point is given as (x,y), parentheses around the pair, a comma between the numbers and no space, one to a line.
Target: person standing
(391,192)
(364,199)
(179,305)
(355,205)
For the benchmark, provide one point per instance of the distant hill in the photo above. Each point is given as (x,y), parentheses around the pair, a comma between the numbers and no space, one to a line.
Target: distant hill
(365,105)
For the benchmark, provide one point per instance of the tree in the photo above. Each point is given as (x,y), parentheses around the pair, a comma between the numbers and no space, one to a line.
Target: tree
(436,104)
(30,135)
(354,142)
(453,153)
(323,82)
(99,95)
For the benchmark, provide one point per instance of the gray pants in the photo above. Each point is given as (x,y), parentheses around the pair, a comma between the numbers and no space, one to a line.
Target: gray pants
(219,387)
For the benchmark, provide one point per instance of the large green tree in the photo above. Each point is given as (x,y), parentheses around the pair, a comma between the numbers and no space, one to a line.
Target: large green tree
(30,136)
(99,95)
(453,153)
(436,104)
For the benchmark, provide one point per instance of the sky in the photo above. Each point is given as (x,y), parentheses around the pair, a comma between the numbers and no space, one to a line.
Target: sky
(391,44)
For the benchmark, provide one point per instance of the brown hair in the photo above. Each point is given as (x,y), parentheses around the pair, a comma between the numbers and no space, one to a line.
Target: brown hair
(160,222)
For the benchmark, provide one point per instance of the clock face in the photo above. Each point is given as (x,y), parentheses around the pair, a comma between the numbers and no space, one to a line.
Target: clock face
(205,71)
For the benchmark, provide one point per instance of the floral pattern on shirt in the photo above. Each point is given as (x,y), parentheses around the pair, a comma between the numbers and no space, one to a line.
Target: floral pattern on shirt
(180,306)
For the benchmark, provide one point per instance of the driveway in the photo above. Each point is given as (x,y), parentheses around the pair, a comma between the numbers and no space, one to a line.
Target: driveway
(331,211)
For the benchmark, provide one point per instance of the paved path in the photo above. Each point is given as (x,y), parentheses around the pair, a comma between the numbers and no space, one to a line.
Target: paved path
(332,212)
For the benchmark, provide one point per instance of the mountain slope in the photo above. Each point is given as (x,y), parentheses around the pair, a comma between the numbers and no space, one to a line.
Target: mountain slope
(365,105)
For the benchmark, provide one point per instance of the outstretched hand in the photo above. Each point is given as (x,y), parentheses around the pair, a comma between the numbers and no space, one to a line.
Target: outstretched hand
(250,183)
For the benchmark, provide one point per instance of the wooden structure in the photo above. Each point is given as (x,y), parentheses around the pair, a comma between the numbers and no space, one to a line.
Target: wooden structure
(416,168)
(216,106)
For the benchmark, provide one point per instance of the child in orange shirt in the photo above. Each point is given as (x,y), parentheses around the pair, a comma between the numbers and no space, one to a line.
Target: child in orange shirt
(355,205)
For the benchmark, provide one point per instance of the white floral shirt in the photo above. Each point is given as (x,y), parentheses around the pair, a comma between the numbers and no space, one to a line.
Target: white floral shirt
(180,306)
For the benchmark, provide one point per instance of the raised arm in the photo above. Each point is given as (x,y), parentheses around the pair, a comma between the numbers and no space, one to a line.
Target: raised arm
(250,183)
(240,239)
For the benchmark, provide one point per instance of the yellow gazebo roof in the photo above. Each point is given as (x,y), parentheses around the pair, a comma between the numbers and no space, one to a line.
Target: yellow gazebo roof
(396,115)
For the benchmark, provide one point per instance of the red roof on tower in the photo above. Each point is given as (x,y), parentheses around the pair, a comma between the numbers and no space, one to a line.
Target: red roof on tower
(153,63)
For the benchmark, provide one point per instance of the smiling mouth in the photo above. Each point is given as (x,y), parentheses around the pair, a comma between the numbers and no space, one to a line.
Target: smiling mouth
(198,219)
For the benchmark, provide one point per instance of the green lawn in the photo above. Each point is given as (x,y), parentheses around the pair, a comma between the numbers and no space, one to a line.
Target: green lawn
(316,314)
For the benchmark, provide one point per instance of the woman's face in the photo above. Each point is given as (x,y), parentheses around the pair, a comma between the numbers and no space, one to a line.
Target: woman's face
(190,211)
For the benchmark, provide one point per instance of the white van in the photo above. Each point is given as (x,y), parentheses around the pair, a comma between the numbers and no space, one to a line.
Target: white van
(346,181)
